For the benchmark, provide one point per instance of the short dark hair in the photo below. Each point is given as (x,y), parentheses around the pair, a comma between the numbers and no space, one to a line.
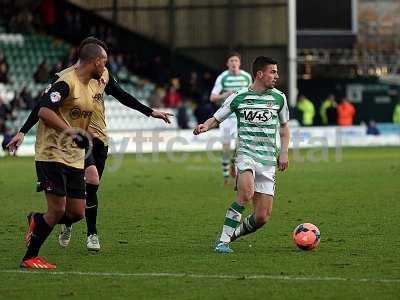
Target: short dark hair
(92,40)
(90,51)
(260,63)
(233,53)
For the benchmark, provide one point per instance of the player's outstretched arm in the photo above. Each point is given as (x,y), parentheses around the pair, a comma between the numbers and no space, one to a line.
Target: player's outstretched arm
(283,159)
(207,125)
(115,90)
(15,142)
(32,119)
(162,115)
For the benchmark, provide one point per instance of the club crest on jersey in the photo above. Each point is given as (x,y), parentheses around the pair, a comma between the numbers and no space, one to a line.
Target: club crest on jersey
(269,104)
(257,116)
(55,97)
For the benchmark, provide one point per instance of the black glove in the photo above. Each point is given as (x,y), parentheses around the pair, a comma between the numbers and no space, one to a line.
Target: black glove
(81,140)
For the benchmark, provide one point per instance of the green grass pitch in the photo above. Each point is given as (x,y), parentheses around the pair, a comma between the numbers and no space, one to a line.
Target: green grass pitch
(159,218)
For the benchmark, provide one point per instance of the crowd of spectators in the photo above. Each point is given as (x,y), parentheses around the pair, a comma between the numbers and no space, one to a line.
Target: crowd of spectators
(186,93)
(330,111)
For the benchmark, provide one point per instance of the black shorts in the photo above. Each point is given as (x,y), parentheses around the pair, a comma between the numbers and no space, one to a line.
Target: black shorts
(59,179)
(98,156)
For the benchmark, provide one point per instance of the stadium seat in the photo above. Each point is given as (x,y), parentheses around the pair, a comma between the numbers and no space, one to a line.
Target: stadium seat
(25,52)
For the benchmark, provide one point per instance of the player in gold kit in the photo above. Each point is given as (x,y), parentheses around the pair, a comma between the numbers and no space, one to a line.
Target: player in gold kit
(96,158)
(64,116)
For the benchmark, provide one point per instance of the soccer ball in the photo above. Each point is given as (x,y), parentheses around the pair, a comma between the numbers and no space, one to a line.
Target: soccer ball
(306,236)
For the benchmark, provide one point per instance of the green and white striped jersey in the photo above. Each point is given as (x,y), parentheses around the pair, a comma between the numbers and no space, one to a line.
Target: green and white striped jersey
(228,82)
(259,117)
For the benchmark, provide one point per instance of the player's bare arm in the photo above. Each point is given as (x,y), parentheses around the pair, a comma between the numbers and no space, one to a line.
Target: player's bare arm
(18,139)
(207,125)
(15,142)
(162,115)
(283,160)
(50,103)
(51,119)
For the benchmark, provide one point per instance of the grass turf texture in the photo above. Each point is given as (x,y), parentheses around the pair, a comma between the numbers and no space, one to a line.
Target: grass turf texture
(162,216)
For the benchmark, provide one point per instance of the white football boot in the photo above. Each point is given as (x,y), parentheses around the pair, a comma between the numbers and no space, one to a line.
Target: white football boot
(65,235)
(93,243)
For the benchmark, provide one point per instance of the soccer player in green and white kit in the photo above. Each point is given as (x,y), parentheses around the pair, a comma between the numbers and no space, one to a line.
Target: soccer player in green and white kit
(262,113)
(228,82)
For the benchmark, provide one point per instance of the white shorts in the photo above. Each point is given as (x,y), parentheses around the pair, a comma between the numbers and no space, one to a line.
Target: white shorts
(264,176)
(228,129)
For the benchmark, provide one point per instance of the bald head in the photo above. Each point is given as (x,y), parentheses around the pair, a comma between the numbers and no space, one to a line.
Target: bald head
(91,51)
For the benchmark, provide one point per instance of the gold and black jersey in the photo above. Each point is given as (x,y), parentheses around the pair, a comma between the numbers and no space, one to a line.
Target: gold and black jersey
(98,122)
(75,105)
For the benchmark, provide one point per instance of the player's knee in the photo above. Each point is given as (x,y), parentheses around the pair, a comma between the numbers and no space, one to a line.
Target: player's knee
(55,214)
(249,195)
(246,195)
(249,192)
(91,175)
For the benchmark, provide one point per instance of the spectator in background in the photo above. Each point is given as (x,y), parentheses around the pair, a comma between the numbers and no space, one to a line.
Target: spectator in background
(7,137)
(48,15)
(27,99)
(156,98)
(4,114)
(17,103)
(42,72)
(307,109)
(203,111)
(159,71)
(22,22)
(4,110)
(182,117)
(328,110)
(172,98)
(3,69)
(396,113)
(193,87)
(208,84)
(372,129)
(345,113)
(3,74)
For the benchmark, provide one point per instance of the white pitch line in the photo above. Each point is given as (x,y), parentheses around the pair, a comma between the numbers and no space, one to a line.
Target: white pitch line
(207,276)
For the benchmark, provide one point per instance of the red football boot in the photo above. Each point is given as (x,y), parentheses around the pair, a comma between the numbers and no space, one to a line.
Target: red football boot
(37,263)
